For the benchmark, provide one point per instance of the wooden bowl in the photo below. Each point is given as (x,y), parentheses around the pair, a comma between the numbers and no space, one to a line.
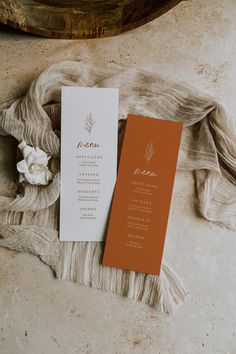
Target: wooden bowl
(80,18)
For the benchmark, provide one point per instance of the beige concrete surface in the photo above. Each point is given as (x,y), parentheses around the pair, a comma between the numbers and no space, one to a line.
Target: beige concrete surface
(194,42)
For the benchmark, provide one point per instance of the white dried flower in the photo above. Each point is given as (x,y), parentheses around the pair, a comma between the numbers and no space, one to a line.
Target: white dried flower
(33,168)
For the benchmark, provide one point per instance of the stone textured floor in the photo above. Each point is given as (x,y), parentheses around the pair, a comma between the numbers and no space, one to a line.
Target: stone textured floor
(195,43)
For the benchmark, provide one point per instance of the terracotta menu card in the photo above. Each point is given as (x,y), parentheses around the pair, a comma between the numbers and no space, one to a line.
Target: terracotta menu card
(142,197)
(89,125)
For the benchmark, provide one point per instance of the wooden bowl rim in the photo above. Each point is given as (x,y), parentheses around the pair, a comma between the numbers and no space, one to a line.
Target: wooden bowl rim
(6,18)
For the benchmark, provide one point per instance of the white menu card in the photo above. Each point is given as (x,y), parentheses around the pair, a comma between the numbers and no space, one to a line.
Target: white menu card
(89,129)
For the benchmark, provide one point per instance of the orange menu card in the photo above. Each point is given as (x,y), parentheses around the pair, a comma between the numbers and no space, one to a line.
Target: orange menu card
(141,202)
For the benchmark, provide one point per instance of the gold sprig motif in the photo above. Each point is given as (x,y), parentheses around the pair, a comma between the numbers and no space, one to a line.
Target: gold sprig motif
(150,151)
(89,123)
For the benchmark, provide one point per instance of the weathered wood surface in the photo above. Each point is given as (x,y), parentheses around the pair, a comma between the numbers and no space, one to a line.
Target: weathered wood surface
(80,19)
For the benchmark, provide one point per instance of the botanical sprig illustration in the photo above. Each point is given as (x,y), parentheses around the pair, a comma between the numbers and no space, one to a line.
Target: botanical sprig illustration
(150,151)
(89,122)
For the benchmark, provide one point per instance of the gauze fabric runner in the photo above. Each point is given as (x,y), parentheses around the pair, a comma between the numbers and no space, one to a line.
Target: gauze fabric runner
(29,222)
